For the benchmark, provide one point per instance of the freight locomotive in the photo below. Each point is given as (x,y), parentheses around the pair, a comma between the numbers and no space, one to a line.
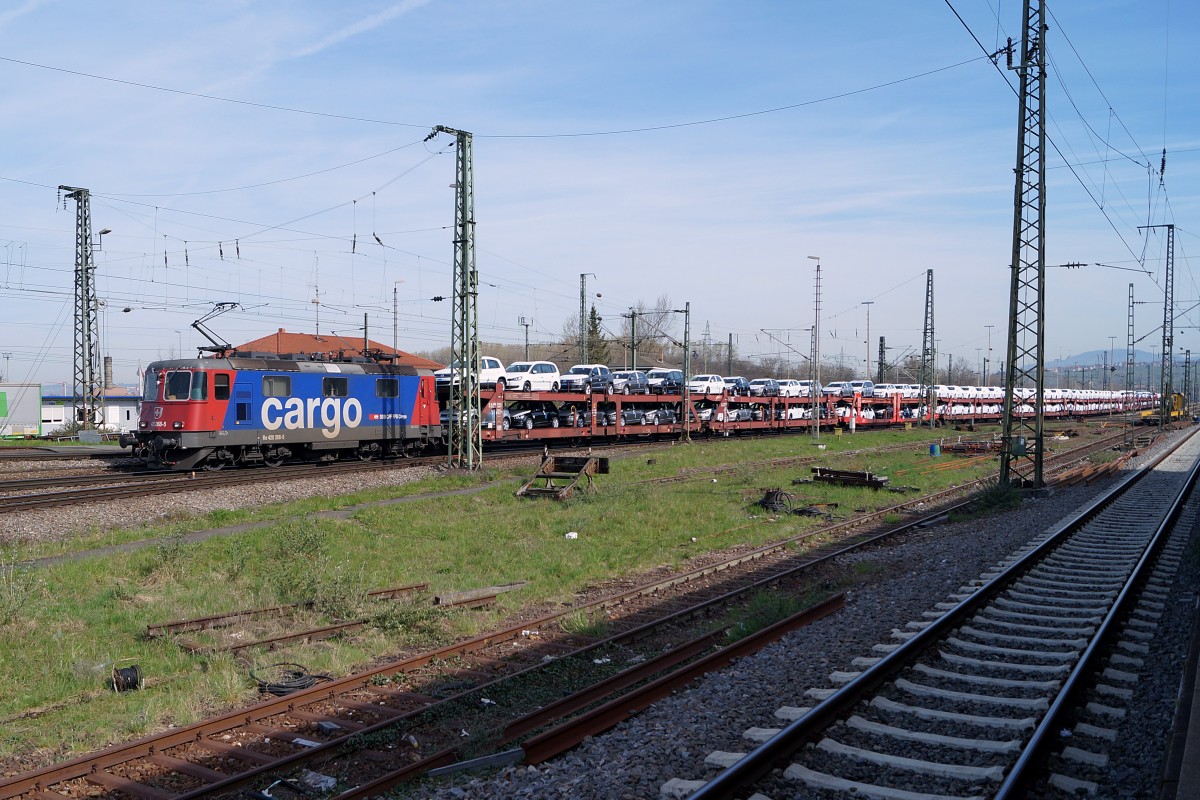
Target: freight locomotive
(263,408)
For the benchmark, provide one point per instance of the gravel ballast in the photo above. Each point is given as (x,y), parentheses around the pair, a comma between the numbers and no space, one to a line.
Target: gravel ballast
(672,739)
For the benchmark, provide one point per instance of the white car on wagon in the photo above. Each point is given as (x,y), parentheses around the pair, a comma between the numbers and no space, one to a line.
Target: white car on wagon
(532,376)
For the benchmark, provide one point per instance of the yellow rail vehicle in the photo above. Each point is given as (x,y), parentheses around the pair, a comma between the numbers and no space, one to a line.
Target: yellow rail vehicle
(1177,411)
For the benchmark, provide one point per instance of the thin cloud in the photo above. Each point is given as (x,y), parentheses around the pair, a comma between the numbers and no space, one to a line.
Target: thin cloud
(17,13)
(362,26)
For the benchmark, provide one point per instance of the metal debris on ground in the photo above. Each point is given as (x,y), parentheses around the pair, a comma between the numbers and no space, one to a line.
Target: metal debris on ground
(901,489)
(816,510)
(562,475)
(843,477)
(778,500)
(972,447)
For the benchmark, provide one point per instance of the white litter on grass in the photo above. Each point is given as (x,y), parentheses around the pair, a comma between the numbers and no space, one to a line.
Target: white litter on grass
(601,660)
(572,535)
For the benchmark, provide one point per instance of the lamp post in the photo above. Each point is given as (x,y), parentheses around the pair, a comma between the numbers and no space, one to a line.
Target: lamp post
(7,376)
(526,321)
(180,335)
(868,304)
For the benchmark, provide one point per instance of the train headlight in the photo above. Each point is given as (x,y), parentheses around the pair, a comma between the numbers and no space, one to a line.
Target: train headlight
(177,425)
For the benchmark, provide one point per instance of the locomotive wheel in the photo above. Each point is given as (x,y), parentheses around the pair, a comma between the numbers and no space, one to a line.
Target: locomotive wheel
(214,465)
(273,459)
(367,455)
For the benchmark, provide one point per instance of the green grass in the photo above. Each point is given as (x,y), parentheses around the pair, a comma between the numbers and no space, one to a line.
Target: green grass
(73,620)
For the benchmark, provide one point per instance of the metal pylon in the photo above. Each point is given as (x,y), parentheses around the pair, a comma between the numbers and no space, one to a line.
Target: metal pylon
(1127,431)
(1021,456)
(1167,368)
(466,430)
(882,366)
(927,378)
(86,390)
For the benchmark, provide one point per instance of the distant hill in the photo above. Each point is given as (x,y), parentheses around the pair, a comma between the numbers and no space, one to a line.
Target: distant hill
(1094,357)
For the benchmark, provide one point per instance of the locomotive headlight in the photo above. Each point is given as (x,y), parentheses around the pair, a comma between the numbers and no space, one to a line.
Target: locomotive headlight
(177,425)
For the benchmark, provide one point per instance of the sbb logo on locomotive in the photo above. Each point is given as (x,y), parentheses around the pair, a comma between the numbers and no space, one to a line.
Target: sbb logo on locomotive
(295,413)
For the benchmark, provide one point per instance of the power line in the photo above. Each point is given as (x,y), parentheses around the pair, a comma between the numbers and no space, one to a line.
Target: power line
(615,132)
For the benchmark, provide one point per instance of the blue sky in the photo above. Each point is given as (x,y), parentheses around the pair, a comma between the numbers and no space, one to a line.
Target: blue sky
(887,149)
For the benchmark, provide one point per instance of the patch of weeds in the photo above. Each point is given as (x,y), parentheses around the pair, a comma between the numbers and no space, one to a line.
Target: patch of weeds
(864,568)
(892,519)
(996,498)
(582,623)
(117,593)
(1105,456)
(415,620)
(17,589)
(763,610)
(168,559)
(240,554)
(298,559)
(341,593)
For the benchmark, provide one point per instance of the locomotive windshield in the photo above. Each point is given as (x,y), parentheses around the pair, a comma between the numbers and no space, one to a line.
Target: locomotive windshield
(185,385)
(150,386)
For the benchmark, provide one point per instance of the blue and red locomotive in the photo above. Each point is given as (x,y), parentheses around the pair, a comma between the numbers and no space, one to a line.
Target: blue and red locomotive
(262,408)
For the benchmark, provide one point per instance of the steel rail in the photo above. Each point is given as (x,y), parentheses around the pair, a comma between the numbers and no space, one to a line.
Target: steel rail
(760,761)
(118,754)
(1044,736)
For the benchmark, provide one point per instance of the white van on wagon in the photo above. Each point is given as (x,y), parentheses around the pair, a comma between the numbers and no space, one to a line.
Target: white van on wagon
(532,376)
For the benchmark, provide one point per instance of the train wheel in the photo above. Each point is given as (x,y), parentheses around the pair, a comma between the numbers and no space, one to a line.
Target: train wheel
(273,459)
(214,464)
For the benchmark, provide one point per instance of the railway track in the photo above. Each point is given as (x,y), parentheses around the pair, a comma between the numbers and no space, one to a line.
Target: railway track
(970,701)
(404,698)
(46,454)
(98,488)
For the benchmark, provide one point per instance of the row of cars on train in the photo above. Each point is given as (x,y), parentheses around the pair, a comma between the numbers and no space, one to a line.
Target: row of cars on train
(248,408)
(545,376)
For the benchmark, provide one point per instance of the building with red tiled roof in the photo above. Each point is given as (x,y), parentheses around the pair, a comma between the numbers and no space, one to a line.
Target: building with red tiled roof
(331,345)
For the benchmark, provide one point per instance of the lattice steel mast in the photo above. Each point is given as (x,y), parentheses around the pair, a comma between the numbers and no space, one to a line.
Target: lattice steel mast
(928,368)
(1127,430)
(466,436)
(1166,376)
(86,390)
(1021,457)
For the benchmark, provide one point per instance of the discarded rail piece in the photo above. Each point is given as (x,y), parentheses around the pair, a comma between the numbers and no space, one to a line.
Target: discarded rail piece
(561,475)
(844,477)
